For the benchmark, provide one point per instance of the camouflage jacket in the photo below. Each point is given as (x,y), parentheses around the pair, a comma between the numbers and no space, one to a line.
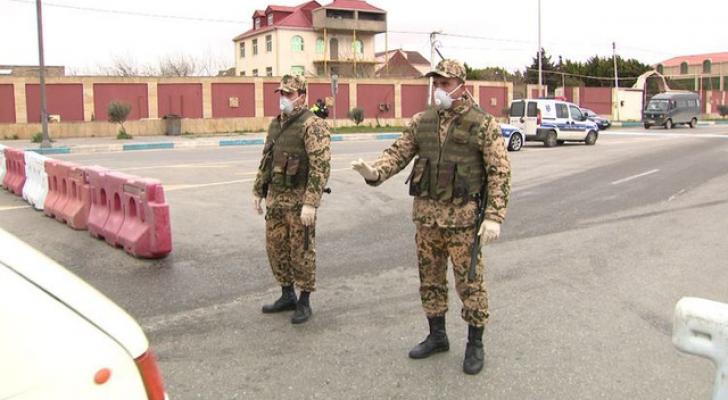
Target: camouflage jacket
(428,212)
(317,140)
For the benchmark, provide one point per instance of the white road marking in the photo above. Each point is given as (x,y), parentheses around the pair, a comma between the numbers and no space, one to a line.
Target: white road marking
(174,188)
(633,177)
(10,208)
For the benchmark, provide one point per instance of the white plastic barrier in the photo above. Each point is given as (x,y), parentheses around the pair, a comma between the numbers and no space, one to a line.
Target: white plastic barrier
(3,168)
(701,328)
(36,182)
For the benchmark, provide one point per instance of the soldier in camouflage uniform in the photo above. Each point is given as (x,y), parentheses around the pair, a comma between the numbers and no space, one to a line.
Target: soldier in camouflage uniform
(291,178)
(460,154)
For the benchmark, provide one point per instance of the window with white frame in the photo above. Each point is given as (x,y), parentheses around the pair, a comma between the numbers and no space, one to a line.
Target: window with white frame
(242,49)
(255,72)
(269,71)
(358,47)
(320,46)
(257,23)
(255,47)
(268,43)
(297,43)
(270,19)
(297,70)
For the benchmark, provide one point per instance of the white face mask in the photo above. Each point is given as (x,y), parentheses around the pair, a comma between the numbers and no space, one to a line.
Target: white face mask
(443,101)
(287,105)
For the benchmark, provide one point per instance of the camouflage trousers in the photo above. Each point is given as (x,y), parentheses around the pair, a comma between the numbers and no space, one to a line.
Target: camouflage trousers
(290,263)
(435,246)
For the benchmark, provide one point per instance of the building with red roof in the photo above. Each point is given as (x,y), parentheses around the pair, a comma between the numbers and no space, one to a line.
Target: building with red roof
(311,39)
(697,72)
(402,64)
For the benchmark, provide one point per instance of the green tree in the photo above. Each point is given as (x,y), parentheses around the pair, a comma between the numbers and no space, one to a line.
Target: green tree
(118,113)
(356,115)
(551,78)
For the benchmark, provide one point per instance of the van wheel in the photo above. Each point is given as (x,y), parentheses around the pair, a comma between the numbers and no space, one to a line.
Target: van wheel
(648,126)
(693,123)
(550,140)
(591,138)
(668,124)
(516,142)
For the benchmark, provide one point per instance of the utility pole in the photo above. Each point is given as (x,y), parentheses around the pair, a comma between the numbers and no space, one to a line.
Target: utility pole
(540,54)
(616,76)
(43,105)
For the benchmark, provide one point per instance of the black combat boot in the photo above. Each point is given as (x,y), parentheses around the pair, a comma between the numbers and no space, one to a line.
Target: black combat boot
(473,362)
(287,301)
(435,342)
(303,309)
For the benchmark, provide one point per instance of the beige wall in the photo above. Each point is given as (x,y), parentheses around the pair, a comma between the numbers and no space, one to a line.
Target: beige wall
(282,57)
(718,69)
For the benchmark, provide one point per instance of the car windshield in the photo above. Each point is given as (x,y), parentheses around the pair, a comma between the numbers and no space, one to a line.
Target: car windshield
(657,105)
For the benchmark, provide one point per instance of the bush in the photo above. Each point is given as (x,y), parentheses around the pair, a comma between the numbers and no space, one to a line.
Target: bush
(118,113)
(356,115)
(37,137)
(723,110)
(122,135)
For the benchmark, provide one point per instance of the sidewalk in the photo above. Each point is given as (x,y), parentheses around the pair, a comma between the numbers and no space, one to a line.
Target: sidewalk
(110,144)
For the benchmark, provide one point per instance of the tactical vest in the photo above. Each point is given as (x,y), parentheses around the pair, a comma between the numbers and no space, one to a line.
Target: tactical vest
(454,171)
(288,167)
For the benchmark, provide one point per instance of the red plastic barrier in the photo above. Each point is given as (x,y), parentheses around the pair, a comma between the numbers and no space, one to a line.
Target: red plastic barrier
(114,186)
(58,189)
(75,211)
(54,185)
(99,212)
(15,176)
(146,231)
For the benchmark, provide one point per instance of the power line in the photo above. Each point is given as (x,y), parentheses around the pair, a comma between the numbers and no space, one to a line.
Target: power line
(132,13)
(232,21)
(582,76)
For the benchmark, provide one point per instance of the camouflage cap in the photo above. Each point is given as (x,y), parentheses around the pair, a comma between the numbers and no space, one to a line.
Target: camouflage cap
(292,84)
(449,68)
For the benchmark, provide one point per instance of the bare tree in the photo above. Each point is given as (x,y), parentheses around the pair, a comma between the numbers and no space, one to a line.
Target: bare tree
(179,65)
(169,66)
(121,66)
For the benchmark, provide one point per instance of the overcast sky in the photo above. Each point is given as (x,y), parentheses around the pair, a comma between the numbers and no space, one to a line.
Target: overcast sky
(650,31)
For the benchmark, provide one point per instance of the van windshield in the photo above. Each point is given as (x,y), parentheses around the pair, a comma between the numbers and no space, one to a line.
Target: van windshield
(658,105)
(517,108)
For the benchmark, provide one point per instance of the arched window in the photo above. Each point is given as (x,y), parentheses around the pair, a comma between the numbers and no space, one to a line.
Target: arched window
(707,67)
(684,68)
(660,68)
(320,46)
(358,47)
(297,43)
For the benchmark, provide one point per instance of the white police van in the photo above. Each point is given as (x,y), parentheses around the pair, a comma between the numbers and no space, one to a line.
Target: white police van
(552,122)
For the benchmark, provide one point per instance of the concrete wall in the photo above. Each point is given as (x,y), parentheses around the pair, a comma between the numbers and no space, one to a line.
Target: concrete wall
(134,94)
(62,99)
(7,104)
(208,105)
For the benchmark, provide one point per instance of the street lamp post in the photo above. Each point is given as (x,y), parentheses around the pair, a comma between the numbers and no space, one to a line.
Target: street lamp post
(43,105)
(540,54)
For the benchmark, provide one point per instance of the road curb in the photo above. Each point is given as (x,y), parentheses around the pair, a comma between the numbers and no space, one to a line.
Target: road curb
(193,144)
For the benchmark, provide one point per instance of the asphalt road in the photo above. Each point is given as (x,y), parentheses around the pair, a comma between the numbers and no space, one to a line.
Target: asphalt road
(599,245)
